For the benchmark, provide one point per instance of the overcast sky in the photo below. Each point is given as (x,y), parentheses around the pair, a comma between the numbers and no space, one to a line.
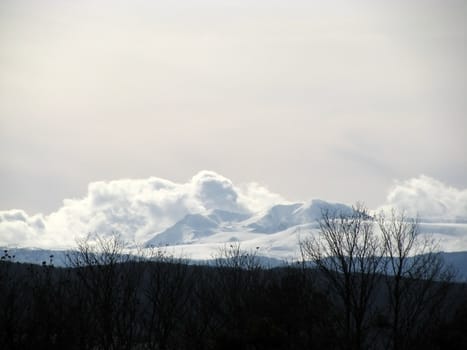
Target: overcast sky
(322,99)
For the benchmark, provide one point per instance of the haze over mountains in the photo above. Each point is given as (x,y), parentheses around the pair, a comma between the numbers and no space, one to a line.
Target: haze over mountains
(197,217)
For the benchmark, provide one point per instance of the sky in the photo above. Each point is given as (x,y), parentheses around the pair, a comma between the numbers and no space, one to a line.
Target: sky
(340,100)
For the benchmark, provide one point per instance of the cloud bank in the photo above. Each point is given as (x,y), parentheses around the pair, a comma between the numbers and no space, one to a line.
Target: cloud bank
(139,208)
(428,198)
(135,208)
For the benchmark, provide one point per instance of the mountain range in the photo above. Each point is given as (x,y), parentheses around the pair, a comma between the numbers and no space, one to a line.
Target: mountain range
(274,233)
(196,219)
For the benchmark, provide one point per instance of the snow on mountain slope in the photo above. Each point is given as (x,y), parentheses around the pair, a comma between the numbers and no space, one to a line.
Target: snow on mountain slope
(275,247)
(223,216)
(315,209)
(195,226)
(278,218)
(191,227)
(281,217)
(281,245)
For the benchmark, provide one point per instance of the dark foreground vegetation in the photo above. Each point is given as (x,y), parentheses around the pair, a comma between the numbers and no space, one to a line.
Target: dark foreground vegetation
(107,300)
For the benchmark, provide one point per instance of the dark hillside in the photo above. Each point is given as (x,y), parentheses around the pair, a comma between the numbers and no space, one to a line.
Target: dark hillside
(168,304)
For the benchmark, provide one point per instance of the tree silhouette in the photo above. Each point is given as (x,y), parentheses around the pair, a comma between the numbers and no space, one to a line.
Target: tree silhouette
(349,255)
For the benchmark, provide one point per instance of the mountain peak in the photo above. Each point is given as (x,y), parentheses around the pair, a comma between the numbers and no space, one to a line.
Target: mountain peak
(191,227)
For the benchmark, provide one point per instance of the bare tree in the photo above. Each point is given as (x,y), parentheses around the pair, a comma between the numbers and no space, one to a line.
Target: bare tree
(347,252)
(12,308)
(167,298)
(109,279)
(233,256)
(238,277)
(416,277)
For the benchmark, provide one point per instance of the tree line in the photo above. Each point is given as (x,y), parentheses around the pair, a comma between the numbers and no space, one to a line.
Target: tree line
(363,282)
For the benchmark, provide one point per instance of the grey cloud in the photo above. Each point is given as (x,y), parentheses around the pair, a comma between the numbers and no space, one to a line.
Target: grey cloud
(13,215)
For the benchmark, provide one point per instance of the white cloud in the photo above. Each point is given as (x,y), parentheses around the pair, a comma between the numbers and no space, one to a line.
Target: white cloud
(139,208)
(135,208)
(257,197)
(429,199)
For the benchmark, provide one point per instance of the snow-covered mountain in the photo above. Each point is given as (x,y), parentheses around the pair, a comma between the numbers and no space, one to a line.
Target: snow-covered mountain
(283,216)
(196,218)
(190,228)
(194,227)
(273,233)
(227,217)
